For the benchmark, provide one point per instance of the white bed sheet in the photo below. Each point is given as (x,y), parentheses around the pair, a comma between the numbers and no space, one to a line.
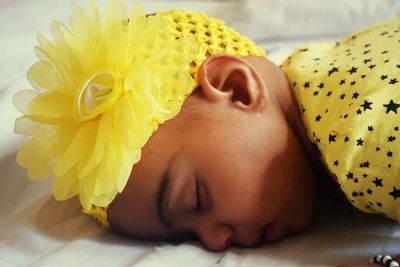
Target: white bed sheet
(35,230)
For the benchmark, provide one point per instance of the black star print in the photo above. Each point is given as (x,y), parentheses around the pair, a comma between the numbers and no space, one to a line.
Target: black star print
(393,81)
(333,70)
(358,111)
(304,50)
(355,180)
(321,85)
(392,106)
(367,60)
(389,154)
(366,52)
(367,45)
(363,76)
(384,33)
(370,128)
(353,83)
(365,175)
(342,96)
(336,163)
(372,66)
(369,191)
(398,66)
(346,139)
(315,93)
(386,61)
(332,138)
(352,70)
(306,85)
(379,204)
(391,138)
(377,182)
(329,93)
(383,77)
(349,176)
(354,194)
(378,148)
(366,105)
(342,82)
(346,116)
(384,52)
(317,58)
(318,118)
(364,164)
(395,193)
(360,142)
(355,95)
(396,128)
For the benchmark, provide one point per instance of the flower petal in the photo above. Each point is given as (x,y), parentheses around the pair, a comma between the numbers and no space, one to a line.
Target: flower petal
(21,100)
(66,185)
(81,144)
(86,189)
(51,105)
(25,125)
(41,168)
(103,135)
(43,76)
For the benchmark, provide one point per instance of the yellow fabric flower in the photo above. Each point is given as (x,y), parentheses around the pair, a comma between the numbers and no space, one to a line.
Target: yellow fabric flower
(102,89)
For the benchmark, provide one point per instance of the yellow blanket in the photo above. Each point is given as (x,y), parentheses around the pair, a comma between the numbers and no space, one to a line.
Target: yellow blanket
(349,96)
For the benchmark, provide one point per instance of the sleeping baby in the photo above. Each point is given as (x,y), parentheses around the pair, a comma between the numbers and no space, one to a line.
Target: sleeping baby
(172,125)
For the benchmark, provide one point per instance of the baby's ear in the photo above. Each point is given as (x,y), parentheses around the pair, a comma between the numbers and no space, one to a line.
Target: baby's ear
(232,80)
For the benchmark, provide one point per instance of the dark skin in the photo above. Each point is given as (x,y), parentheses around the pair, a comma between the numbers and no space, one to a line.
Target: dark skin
(240,167)
(254,178)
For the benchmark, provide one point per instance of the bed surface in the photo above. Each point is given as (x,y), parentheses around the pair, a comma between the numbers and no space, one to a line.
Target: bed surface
(35,230)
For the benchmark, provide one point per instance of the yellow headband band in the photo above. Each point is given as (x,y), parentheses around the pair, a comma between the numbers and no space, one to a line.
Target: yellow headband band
(103,87)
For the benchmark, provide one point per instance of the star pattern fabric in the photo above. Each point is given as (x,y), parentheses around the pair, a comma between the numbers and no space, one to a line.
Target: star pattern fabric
(349,96)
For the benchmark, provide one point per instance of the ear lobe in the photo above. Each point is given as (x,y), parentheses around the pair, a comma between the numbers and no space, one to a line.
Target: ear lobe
(231,79)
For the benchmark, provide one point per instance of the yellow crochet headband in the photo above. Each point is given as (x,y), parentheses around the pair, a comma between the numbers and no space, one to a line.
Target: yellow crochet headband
(103,87)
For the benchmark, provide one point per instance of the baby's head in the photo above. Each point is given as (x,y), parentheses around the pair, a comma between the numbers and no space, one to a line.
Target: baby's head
(202,121)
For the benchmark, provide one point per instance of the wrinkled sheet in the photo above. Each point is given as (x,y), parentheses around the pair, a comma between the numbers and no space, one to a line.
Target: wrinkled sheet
(35,230)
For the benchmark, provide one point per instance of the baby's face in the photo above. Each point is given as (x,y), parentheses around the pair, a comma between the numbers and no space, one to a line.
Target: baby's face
(225,175)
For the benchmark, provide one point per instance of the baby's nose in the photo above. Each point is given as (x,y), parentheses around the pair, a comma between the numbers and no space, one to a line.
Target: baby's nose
(216,237)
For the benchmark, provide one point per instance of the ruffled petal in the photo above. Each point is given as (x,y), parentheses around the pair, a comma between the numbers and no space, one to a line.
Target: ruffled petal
(66,185)
(52,105)
(41,168)
(25,125)
(82,144)
(43,76)
(103,134)
(87,187)
(21,100)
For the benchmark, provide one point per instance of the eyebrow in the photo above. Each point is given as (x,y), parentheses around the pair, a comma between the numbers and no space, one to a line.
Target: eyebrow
(162,198)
